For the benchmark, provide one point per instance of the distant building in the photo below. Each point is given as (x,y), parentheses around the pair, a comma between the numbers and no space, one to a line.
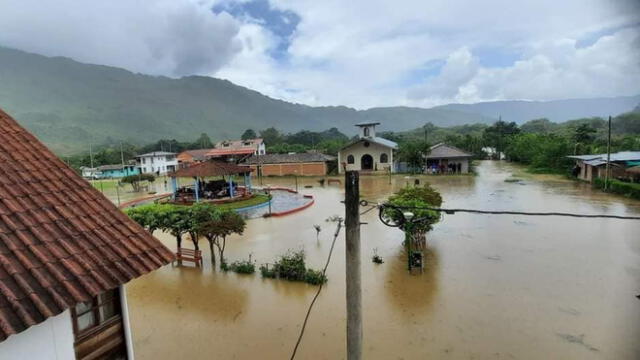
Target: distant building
(157,162)
(368,152)
(189,157)
(448,158)
(116,171)
(590,167)
(65,253)
(89,172)
(303,164)
(237,150)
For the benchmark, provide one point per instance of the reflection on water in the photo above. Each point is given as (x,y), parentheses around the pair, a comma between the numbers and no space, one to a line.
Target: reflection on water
(493,286)
(411,296)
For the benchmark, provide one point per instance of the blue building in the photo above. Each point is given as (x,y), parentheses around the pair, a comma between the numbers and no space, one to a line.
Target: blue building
(117,171)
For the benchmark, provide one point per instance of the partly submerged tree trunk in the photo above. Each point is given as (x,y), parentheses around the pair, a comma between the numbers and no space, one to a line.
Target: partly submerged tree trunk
(179,240)
(194,239)
(213,253)
(221,248)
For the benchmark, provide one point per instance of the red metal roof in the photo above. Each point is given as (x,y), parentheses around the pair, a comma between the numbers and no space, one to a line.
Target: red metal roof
(222,152)
(210,168)
(61,241)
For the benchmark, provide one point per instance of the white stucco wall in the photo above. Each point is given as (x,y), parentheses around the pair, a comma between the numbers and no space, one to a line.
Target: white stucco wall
(49,340)
(358,150)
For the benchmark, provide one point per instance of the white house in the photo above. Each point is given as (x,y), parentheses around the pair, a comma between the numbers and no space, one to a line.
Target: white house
(64,258)
(237,150)
(368,152)
(443,158)
(157,162)
(89,172)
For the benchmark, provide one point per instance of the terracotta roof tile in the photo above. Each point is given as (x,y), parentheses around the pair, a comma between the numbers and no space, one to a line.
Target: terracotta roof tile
(61,241)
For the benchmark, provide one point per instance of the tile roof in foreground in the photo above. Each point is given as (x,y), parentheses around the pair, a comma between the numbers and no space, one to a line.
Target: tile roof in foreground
(61,241)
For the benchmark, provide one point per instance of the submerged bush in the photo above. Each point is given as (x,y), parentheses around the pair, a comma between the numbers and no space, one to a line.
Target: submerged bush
(243,267)
(314,277)
(291,266)
(266,272)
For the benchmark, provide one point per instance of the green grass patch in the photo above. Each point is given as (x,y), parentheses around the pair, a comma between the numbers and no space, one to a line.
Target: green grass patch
(256,200)
(631,190)
(105,184)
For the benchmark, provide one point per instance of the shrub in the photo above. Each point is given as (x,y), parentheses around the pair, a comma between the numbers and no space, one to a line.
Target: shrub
(620,187)
(242,267)
(266,272)
(291,266)
(315,277)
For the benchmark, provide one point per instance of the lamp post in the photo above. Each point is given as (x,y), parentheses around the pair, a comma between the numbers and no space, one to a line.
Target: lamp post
(295,176)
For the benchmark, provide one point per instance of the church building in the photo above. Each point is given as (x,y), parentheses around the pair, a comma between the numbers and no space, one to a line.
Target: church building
(368,153)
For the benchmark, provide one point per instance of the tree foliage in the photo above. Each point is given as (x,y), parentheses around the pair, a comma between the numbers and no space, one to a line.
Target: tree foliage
(413,153)
(248,134)
(199,220)
(135,180)
(414,199)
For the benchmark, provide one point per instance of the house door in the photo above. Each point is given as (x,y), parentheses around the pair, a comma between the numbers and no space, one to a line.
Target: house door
(366,162)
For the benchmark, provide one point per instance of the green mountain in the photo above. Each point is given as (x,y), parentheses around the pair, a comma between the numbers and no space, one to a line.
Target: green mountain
(556,110)
(69,104)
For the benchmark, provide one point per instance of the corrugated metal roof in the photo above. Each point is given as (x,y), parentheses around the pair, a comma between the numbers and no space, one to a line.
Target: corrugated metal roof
(377,140)
(443,150)
(156,153)
(619,156)
(61,241)
(288,158)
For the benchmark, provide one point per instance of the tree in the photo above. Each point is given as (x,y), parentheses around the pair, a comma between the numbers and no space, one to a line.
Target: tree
(542,126)
(584,134)
(413,153)
(499,134)
(203,142)
(203,216)
(217,226)
(249,134)
(176,220)
(271,136)
(414,199)
(135,180)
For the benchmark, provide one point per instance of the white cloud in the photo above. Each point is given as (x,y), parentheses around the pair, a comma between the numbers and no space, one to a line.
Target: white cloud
(609,67)
(360,53)
(154,36)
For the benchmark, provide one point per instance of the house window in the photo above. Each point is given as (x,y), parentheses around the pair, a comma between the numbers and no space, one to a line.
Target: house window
(366,131)
(384,158)
(90,315)
(350,159)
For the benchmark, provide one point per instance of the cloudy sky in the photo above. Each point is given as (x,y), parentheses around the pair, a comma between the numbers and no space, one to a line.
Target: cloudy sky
(360,53)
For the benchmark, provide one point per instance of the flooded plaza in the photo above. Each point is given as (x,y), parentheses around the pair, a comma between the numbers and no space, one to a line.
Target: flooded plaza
(494,287)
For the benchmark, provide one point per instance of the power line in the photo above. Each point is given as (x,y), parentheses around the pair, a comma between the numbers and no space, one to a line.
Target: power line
(491,212)
(324,270)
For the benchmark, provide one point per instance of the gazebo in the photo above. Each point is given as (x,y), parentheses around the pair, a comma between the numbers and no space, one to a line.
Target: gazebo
(220,190)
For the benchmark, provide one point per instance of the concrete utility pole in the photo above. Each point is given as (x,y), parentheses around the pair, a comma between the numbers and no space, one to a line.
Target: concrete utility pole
(606,176)
(354,286)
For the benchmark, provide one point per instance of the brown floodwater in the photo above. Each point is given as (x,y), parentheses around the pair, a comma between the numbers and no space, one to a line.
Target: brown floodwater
(494,287)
